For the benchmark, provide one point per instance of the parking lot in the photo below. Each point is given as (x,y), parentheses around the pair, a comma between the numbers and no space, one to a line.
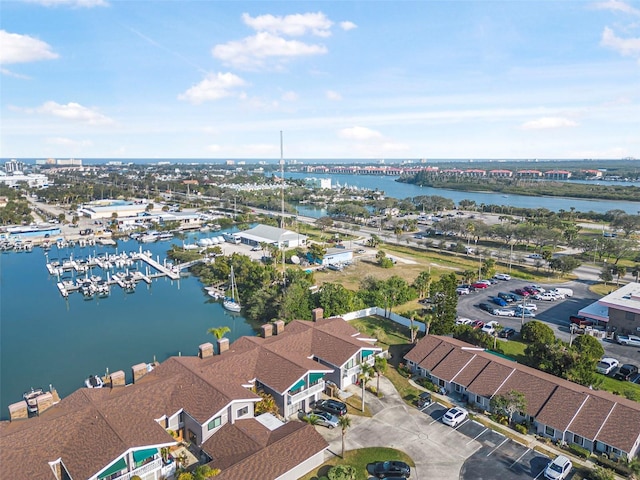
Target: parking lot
(555,314)
(498,456)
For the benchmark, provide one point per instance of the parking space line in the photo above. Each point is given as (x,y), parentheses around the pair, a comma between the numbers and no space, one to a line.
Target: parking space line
(503,442)
(476,437)
(520,457)
(541,472)
(457,427)
(437,419)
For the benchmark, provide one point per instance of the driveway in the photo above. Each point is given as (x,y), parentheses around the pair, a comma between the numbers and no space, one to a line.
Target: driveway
(396,425)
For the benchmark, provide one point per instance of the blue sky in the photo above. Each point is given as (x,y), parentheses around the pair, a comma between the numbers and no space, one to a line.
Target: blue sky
(343,79)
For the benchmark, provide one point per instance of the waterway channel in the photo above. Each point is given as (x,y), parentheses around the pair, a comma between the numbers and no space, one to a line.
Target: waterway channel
(394,189)
(46,339)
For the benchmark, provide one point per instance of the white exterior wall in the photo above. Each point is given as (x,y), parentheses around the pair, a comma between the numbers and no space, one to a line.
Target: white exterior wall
(303,468)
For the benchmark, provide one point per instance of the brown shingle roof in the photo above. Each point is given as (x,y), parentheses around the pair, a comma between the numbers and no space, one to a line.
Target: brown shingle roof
(554,401)
(247,449)
(452,364)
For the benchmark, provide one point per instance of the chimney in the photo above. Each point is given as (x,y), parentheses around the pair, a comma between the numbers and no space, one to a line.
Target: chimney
(117,379)
(139,371)
(44,401)
(205,350)
(18,411)
(267,330)
(278,327)
(316,314)
(223,345)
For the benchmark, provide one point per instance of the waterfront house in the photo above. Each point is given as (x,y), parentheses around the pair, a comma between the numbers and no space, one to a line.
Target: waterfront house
(556,408)
(557,175)
(273,236)
(207,401)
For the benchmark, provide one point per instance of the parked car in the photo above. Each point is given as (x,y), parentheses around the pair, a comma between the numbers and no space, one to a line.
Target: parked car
(567,292)
(558,469)
(535,256)
(522,292)
(455,416)
(324,419)
(424,400)
(463,291)
(332,406)
(389,468)
(631,340)
(531,290)
(581,321)
(547,297)
(502,276)
(361,251)
(477,324)
(507,333)
(607,365)
(487,307)
(479,285)
(528,306)
(490,328)
(507,297)
(626,371)
(499,301)
(504,312)
(539,288)
(523,312)
(464,321)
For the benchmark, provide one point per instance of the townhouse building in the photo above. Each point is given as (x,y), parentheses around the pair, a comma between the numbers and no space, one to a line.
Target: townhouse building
(556,408)
(208,401)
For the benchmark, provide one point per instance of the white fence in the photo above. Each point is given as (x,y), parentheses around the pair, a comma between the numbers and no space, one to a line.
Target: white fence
(394,317)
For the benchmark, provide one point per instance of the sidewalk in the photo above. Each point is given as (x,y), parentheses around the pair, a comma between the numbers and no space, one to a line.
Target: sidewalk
(528,441)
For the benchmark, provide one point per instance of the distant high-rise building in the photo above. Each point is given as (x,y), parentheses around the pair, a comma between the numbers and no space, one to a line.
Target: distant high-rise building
(14,165)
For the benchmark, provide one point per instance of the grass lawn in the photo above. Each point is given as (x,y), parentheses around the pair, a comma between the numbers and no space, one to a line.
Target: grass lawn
(359,459)
(602,289)
(514,349)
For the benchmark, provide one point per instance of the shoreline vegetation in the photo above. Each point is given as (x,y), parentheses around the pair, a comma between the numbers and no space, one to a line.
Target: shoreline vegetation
(532,188)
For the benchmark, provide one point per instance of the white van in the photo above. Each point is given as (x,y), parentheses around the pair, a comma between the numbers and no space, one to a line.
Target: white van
(567,292)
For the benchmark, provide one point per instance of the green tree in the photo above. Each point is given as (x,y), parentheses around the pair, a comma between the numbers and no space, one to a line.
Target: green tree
(509,403)
(380,366)
(316,251)
(445,304)
(219,332)
(345,424)
(605,275)
(422,284)
(373,241)
(601,473)
(366,371)
(337,300)
(266,405)
(537,332)
(342,472)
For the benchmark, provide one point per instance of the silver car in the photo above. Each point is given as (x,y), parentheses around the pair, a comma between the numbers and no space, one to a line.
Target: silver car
(631,340)
(324,419)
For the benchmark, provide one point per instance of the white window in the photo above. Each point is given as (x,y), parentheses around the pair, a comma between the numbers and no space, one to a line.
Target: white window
(242,412)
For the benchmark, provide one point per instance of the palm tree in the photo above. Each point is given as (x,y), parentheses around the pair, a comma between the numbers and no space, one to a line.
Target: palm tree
(219,332)
(345,423)
(364,376)
(380,366)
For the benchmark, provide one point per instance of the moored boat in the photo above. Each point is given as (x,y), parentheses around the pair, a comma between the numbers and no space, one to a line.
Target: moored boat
(94,381)
(31,397)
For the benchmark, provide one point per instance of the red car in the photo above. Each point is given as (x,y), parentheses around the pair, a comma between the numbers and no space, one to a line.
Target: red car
(522,292)
(531,290)
(478,324)
(479,285)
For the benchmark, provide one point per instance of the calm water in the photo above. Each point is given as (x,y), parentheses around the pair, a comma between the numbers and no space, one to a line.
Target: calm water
(45,339)
(399,190)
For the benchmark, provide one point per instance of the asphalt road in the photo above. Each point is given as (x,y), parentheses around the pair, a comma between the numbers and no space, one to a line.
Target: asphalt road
(555,314)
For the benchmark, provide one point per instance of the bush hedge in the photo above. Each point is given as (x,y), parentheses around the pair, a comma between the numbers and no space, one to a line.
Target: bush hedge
(618,467)
(578,451)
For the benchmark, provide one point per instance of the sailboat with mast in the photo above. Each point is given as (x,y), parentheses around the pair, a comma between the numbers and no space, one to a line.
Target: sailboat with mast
(232,303)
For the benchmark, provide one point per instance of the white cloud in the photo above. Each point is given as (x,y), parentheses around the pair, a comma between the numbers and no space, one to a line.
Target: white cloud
(617,6)
(394,147)
(70,3)
(74,112)
(291,25)
(359,134)
(549,122)
(624,46)
(251,52)
(214,87)
(346,26)
(18,48)
(69,143)
(331,95)
(214,148)
(290,96)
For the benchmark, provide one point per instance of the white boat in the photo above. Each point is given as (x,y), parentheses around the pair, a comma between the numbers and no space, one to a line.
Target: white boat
(94,381)
(232,303)
(31,398)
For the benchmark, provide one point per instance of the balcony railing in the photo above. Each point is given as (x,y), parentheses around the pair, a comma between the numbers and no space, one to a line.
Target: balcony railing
(313,389)
(143,470)
(355,370)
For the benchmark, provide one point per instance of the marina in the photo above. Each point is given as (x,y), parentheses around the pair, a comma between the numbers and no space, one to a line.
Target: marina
(47,339)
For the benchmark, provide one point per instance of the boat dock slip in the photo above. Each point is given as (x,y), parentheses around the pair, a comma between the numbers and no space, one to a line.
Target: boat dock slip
(161,268)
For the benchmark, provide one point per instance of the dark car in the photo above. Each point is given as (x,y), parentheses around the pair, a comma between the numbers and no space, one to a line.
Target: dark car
(424,400)
(507,297)
(499,301)
(390,468)
(487,307)
(626,372)
(332,406)
(531,290)
(507,333)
